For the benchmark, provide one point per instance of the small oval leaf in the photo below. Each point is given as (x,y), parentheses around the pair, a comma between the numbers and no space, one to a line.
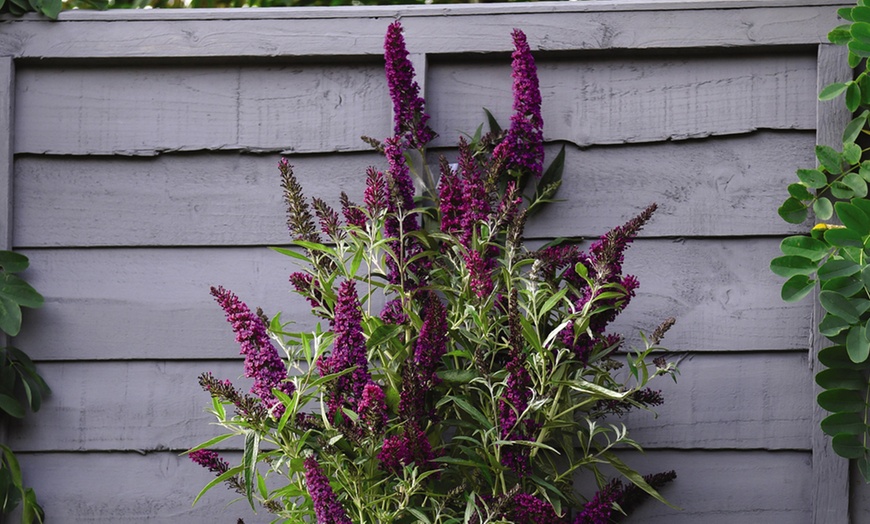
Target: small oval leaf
(823,209)
(790,265)
(840,306)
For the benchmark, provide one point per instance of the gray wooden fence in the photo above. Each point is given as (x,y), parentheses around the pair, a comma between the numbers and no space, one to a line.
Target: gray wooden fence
(138,157)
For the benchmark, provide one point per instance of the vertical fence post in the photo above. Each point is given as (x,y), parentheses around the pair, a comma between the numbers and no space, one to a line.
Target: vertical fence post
(830,472)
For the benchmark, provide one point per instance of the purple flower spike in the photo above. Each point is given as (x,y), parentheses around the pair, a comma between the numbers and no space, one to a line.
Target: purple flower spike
(262,362)
(523,147)
(327,508)
(410,119)
(372,408)
(210,460)
(349,350)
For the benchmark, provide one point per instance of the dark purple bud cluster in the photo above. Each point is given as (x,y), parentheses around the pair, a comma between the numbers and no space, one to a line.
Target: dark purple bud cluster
(327,508)
(408,114)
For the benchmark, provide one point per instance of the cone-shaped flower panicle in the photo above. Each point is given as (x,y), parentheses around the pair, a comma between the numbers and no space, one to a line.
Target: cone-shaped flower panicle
(410,447)
(299,219)
(262,363)
(349,350)
(210,460)
(532,510)
(523,146)
(352,213)
(372,408)
(408,107)
(327,508)
(376,193)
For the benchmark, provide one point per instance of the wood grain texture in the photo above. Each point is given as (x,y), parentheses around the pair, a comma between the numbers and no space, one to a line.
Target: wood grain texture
(728,487)
(715,487)
(730,401)
(745,401)
(721,292)
(635,99)
(142,111)
(725,186)
(433,29)
(830,472)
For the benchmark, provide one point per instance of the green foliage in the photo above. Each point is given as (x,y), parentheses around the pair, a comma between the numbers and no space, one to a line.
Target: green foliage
(836,257)
(49,8)
(21,386)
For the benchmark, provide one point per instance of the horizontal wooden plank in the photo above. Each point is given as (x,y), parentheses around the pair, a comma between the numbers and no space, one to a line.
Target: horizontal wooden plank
(127,487)
(154,303)
(726,487)
(725,186)
(737,401)
(436,29)
(712,487)
(635,99)
(743,401)
(141,111)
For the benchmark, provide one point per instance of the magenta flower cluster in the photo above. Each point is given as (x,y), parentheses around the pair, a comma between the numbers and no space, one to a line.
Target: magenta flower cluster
(262,363)
(327,508)
(523,147)
(349,350)
(210,460)
(408,111)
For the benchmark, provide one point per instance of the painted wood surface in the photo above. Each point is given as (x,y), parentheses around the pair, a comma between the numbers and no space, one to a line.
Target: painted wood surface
(831,482)
(440,29)
(154,303)
(720,401)
(726,186)
(7,103)
(635,99)
(136,111)
(715,487)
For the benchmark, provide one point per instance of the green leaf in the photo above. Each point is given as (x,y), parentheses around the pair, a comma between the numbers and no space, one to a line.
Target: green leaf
(839,400)
(856,184)
(852,153)
(846,286)
(831,326)
(249,463)
(851,423)
(854,127)
(847,446)
(837,357)
(493,123)
(860,31)
(797,287)
(471,410)
(458,376)
(804,246)
(552,175)
(846,14)
(857,344)
(635,478)
(842,237)
(830,159)
(833,268)
(858,48)
(13,262)
(232,472)
(20,291)
(832,91)
(841,191)
(853,218)
(790,265)
(211,442)
(793,211)
(799,191)
(290,253)
(813,178)
(823,208)
(11,406)
(853,98)
(840,35)
(853,60)
(838,305)
(836,378)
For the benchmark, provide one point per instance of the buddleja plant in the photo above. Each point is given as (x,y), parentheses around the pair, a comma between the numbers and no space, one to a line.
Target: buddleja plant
(457,376)
(836,255)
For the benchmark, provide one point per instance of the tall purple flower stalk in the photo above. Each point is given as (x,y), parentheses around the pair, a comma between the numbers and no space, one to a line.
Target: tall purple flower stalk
(604,265)
(349,350)
(401,200)
(262,362)
(419,374)
(210,460)
(327,508)
(408,111)
(523,146)
(600,509)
